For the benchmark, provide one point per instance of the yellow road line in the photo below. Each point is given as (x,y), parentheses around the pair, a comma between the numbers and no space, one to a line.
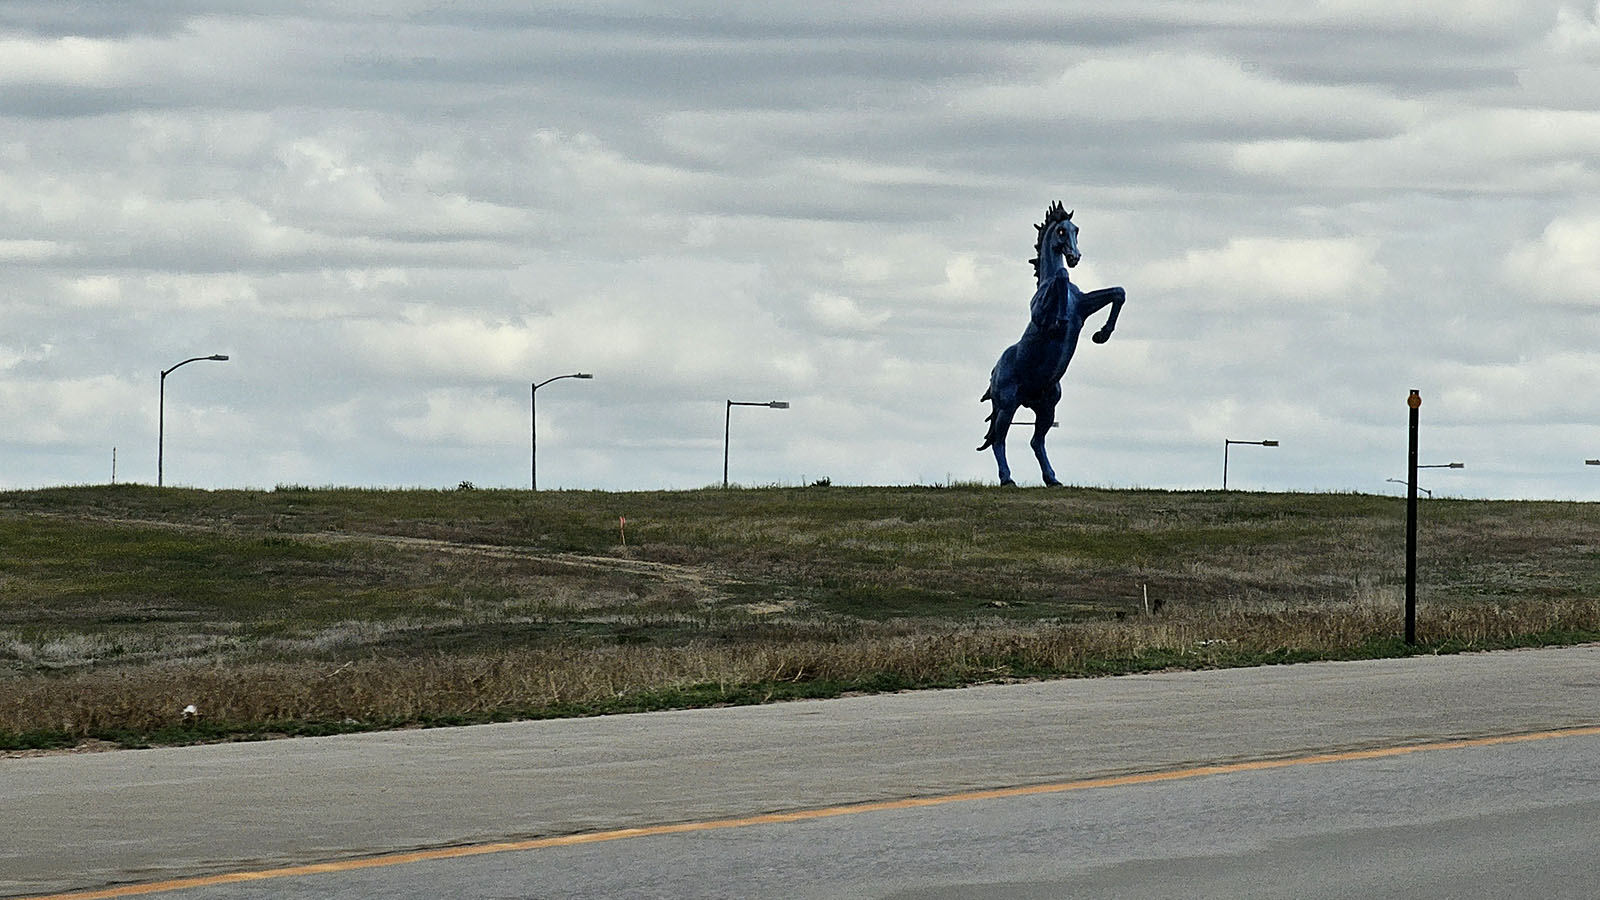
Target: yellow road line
(395,859)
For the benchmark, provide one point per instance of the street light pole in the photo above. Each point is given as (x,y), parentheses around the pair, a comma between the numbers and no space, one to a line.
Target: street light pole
(1226,443)
(727,420)
(161,414)
(1415,403)
(533,426)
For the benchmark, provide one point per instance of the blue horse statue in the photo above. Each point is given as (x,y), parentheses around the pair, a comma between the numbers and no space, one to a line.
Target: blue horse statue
(1029,371)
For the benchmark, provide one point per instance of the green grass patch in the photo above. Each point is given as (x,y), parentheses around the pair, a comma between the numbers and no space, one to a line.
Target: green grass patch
(336,608)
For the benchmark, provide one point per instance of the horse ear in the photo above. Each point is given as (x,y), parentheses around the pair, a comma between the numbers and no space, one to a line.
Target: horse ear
(1069,215)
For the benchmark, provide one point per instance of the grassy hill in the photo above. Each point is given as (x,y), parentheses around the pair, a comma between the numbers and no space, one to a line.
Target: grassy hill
(298,611)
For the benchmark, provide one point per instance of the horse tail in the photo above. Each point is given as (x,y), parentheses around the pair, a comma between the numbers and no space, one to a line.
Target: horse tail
(988,439)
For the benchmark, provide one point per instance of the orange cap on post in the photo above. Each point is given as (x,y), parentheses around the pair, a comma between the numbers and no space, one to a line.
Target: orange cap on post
(1415,400)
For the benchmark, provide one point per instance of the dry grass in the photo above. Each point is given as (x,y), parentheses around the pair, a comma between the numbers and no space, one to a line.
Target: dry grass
(301,610)
(523,682)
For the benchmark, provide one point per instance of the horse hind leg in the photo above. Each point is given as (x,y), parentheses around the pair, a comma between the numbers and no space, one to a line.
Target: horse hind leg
(1043,421)
(999,424)
(999,449)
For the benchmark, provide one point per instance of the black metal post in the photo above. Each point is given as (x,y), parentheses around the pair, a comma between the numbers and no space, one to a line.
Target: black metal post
(161,429)
(727,418)
(1415,402)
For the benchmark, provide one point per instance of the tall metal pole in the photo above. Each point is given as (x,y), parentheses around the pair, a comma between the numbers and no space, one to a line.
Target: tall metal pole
(1415,402)
(1229,442)
(533,425)
(161,416)
(727,417)
(161,429)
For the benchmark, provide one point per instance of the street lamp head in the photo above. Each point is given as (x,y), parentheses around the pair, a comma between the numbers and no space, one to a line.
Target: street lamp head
(1456,465)
(1269,443)
(779,404)
(1592,462)
(219,357)
(582,375)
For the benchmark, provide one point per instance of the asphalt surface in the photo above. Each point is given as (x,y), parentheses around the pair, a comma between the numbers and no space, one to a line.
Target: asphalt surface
(85,820)
(1480,822)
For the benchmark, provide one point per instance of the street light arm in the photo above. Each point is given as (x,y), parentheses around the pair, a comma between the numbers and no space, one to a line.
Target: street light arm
(219,357)
(559,377)
(1403,481)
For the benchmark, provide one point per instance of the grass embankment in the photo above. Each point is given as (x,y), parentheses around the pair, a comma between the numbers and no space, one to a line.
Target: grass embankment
(313,611)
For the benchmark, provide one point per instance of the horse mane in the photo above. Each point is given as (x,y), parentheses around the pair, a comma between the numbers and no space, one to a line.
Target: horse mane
(1054,213)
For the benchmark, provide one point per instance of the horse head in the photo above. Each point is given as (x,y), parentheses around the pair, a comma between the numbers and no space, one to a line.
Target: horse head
(1058,237)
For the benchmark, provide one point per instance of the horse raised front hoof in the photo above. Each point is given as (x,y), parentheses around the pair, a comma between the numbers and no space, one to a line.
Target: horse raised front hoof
(1100,337)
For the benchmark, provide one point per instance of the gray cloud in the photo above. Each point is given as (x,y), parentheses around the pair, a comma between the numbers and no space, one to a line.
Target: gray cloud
(395,216)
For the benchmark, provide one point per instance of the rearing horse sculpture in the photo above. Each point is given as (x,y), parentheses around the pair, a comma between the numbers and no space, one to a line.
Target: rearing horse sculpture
(1029,371)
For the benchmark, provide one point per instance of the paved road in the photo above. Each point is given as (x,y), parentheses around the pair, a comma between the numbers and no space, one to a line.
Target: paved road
(80,821)
(1476,822)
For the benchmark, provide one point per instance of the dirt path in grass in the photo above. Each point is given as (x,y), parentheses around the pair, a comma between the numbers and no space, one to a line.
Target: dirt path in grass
(665,571)
(698,576)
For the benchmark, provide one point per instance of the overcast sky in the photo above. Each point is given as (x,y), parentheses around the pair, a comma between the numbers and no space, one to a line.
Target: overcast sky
(394,217)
